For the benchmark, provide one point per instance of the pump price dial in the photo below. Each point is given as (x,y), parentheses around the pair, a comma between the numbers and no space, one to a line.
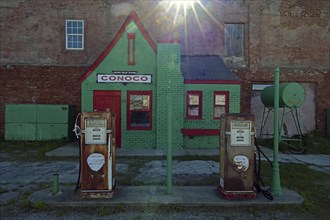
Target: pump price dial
(95,122)
(240,133)
(96,131)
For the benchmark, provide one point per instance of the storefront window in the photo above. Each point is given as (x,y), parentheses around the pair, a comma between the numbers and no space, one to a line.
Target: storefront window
(194,105)
(220,104)
(139,110)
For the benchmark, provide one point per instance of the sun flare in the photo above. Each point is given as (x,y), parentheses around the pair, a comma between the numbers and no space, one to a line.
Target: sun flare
(183,3)
(181,7)
(182,15)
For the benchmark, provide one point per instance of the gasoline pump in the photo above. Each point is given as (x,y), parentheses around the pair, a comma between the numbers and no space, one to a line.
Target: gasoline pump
(97,155)
(237,156)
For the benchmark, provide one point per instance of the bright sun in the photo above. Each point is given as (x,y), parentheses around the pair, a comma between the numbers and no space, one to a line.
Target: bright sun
(183,3)
(181,9)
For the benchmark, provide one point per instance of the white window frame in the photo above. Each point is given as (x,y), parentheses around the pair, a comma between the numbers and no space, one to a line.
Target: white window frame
(67,35)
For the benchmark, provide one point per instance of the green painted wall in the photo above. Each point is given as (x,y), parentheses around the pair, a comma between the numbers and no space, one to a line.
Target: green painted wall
(145,63)
(207,121)
(166,79)
(169,81)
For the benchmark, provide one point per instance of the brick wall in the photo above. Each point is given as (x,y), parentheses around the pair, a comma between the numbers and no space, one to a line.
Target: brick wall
(320,78)
(169,80)
(116,60)
(207,121)
(289,34)
(38,84)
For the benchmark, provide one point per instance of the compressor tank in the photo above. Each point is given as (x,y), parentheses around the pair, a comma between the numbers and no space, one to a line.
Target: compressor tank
(291,95)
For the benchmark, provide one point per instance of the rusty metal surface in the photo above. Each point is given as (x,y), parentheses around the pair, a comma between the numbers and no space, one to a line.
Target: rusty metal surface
(97,195)
(234,179)
(96,183)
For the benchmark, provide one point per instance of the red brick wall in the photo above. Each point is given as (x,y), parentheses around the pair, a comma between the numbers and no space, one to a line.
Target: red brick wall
(292,34)
(38,84)
(60,85)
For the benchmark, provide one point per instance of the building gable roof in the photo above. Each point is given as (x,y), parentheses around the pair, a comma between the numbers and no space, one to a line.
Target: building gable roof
(131,17)
(206,68)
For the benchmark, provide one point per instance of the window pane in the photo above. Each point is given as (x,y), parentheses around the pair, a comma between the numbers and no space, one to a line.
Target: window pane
(219,110)
(139,102)
(193,99)
(220,100)
(193,111)
(136,102)
(145,102)
(234,40)
(140,119)
(74,34)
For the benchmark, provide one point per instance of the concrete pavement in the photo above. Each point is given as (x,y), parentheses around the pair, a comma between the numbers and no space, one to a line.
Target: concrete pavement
(185,196)
(318,162)
(156,194)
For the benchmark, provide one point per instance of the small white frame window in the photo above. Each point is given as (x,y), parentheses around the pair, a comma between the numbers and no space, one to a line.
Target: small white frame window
(74,30)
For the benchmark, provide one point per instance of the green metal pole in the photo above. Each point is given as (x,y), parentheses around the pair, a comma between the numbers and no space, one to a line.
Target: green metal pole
(55,184)
(169,143)
(276,186)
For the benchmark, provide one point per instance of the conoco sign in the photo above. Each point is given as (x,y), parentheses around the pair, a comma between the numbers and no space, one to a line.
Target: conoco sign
(113,78)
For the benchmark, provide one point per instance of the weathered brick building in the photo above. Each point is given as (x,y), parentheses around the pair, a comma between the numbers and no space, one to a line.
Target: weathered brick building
(46,46)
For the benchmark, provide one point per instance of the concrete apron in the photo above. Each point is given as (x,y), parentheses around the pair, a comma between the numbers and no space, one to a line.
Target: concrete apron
(155,194)
(185,196)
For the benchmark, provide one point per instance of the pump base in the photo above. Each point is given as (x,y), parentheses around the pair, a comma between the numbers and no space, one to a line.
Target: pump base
(97,194)
(236,194)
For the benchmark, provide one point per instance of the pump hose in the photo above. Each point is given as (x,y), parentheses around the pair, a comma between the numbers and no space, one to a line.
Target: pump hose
(257,172)
(77,132)
(78,180)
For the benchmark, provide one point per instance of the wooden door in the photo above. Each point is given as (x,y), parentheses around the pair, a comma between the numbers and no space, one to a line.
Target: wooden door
(111,100)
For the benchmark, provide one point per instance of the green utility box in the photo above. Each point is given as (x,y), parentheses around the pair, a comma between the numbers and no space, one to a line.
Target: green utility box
(20,131)
(20,113)
(41,122)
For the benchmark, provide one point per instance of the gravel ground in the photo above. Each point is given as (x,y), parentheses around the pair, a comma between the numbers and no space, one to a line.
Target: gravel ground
(14,192)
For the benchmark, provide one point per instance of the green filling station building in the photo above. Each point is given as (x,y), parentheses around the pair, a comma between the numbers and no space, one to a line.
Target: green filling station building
(137,79)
